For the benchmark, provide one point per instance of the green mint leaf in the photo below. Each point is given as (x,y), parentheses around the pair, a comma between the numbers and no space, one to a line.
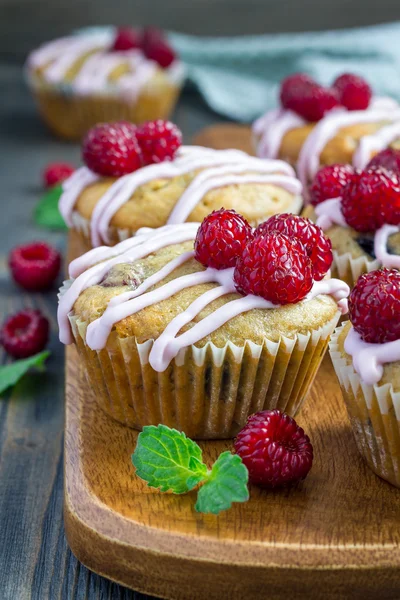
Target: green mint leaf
(168,460)
(226,483)
(12,373)
(46,212)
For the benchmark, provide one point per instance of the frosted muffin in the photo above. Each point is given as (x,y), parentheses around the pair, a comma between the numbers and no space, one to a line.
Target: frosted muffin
(366,356)
(318,126)
(166,337)
(104,74)
(361,219)
(175,185)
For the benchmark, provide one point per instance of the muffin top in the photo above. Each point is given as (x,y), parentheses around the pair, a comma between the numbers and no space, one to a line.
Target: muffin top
(105,60)
(185,186)
(154,286)
(371,340)
(320,126)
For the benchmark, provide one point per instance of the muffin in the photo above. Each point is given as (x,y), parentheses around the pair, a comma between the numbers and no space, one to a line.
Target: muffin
(366,356)
(104,74)
(318,126)
(197,327)
(361,218)
(113,196)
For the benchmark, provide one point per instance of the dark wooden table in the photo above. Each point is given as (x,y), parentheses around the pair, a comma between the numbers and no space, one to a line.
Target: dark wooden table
(35,561)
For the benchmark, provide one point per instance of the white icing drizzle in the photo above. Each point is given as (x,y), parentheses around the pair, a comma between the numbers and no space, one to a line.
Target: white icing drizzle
(374,143)
(271,129)
(329,213)
(152,240)
(391,261)
(231,162)
(368,359)
(169,343)
(326,129)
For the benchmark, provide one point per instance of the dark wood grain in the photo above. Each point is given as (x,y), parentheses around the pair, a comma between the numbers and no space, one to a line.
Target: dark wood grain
(340,528)
(35,561)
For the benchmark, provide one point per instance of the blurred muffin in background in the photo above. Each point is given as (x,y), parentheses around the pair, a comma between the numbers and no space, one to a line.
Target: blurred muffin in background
(103,74)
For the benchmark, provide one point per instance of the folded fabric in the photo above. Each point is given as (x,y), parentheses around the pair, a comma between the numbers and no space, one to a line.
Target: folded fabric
(239,77)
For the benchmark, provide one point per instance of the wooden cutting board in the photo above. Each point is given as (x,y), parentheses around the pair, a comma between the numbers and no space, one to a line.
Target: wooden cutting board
(335,536)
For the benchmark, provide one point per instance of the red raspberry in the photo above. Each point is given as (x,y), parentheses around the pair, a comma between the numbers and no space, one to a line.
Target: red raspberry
(55,173)
(388,159)
(353,91)
(35,266)
(374,306)
(221,239)
(371,199)
(275,450)
(126,38)
(158,140)
(318,247)
(112,149)
(275,267)
(156,47)
(329,182)
(25,333)
(293,87)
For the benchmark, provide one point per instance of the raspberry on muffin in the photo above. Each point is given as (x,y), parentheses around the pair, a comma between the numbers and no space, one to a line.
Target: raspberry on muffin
(192,300)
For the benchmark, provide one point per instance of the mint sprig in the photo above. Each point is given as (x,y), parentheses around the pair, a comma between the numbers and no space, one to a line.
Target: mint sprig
(226,483)
(170,461)
(12,373)
(46,211)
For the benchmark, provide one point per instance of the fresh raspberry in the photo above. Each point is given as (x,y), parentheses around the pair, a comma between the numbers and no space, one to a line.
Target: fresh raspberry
(25,333)
(329,182)
(374,306)
(353,91)
(294,87)
(388,159)
(275,267)
(305,97)
(55,173)
(318,247)
(275,450)
(112,149)
(156,47)
(35,266)
(126,38)
(158,140)
(221,239)
(370,199)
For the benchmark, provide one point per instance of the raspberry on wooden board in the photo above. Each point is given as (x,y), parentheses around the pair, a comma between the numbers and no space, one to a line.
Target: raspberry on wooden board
(25,333)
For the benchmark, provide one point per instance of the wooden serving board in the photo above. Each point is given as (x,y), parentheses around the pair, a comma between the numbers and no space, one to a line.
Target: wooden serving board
(335,536)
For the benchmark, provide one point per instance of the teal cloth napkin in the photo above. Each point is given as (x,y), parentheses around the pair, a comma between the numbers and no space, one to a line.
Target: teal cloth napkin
(239,77)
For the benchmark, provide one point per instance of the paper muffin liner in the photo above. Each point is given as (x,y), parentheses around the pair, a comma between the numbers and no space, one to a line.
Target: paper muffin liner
(70,115)
(374,412)
(207,392)
(349,269)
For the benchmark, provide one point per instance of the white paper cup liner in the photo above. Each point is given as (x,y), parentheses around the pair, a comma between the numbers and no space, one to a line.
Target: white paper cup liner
(207,392)
(349,269)
(374,412)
